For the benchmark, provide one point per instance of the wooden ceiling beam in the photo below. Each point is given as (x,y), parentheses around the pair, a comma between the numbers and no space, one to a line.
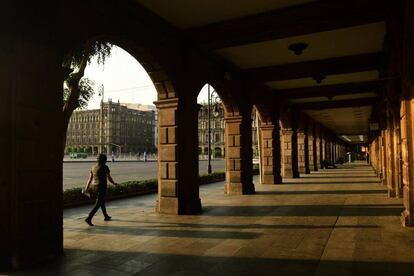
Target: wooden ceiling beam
(332,66)
(335,104)
(304,19)
(331,90)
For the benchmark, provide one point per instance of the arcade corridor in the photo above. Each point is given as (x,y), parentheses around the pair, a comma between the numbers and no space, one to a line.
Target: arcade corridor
(332,222)
(324,77)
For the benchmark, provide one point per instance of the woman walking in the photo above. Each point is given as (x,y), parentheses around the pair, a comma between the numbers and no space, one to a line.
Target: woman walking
(99,175)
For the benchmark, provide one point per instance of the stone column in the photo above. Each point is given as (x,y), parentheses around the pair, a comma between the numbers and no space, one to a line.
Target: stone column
(327,149)
(391,184)
(31,79)
(383,157)
(377,156)
(178,184)
(310,148)
(301,150)
(407,151)
(322,142)
(290,153)
(270,155)
(316,148)
(239,154)
(397,157)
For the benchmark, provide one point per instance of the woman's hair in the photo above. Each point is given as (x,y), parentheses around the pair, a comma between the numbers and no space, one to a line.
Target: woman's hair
(101,159)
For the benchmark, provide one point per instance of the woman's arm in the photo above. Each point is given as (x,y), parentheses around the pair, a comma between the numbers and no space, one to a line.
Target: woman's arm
(110,179)
(89,181)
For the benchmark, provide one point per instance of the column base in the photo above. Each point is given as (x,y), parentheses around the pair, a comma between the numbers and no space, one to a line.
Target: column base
(392,193)
(192,207)
(238,189)
(288,174)
(167,205)
(296,175)
(406,219)
(171,205)
(400,193)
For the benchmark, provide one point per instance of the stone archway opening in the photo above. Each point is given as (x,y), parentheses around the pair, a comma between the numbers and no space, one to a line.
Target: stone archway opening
(119,120)
(211,130)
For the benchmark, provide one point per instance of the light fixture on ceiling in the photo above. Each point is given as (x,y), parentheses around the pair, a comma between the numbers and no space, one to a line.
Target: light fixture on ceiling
(297,48)
(361,138)
(346,138)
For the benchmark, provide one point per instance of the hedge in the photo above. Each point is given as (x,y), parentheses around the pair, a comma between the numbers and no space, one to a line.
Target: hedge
(74,197)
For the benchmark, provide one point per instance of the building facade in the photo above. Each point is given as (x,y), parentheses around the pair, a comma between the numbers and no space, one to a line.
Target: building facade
(117,129)
(217,127)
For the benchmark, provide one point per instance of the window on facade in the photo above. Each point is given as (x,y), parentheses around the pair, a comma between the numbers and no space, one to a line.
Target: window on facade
(217,137)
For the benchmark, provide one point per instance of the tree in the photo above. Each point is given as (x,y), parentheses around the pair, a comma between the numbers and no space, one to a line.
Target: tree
(77,89)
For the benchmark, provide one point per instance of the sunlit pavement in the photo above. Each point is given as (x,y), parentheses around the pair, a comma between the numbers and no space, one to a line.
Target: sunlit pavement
(332,222)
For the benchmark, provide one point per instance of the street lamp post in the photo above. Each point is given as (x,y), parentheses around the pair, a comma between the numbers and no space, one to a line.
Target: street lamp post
(212,96)
(101,91)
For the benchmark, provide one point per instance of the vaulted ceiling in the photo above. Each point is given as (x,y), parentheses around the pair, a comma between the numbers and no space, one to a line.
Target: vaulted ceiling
(324,57)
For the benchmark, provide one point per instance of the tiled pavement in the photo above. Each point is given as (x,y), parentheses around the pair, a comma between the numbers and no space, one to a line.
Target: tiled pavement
(332,222)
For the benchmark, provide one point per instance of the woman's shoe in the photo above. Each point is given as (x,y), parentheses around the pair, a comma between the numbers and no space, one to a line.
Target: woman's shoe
(89,221)
(107,218)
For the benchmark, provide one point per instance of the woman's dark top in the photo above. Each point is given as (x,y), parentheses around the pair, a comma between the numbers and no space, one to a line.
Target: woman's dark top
(99,173)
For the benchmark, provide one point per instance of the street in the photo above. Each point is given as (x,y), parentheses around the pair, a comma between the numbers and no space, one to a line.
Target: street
(76,174)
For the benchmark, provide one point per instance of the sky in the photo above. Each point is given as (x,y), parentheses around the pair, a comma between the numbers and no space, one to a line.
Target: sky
(124,79)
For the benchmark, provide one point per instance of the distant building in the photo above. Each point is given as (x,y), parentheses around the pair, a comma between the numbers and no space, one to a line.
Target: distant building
(124,129)
(217,127)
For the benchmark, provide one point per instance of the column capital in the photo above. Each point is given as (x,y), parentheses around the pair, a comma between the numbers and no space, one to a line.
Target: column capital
(287,131)
(166,103)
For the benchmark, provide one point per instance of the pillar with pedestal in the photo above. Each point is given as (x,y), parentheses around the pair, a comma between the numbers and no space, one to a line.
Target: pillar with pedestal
(391,170)
(383,157)
(310,148)
(290,153)
(328,149)
(301,151)
(407,152)
(322,148)
(316,148)
(396,160)
(178,184)
(270,151)
(239,153)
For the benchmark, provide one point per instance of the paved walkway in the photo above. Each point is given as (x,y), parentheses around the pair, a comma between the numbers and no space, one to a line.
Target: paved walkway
(332,222)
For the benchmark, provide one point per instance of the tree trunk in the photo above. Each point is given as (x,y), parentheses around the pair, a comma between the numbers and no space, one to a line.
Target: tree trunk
(74,92)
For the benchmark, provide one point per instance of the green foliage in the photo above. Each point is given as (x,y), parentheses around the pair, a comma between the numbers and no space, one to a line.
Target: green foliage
(99,49)
(130,188)
(86,92)
(213,177)
(75,196)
